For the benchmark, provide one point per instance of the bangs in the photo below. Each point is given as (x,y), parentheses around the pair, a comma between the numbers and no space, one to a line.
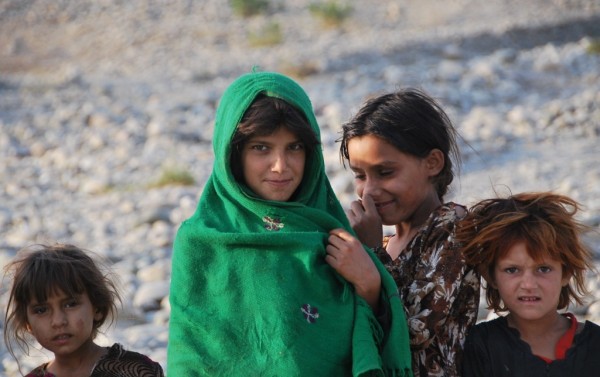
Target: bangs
(48,277)
(538,235)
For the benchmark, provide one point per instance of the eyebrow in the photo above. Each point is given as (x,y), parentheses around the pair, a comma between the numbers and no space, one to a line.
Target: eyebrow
(34,305)
(258,140)
(384,164)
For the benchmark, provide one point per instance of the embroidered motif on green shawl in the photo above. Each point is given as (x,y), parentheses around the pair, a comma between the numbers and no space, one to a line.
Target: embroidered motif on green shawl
(251,293)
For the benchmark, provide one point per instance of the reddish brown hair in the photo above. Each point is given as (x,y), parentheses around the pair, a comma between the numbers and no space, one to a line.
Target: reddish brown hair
(544,221)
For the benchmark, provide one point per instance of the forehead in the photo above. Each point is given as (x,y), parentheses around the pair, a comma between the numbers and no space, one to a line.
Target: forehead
(368,141)
(280,135)
(520,252)
(370,150)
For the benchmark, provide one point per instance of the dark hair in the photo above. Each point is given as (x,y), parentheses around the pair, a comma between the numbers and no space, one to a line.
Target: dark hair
(412,122)
(40,271)
(544,221)
(263,117)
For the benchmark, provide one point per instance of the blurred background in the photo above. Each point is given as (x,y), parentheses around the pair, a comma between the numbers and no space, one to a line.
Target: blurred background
(107,107)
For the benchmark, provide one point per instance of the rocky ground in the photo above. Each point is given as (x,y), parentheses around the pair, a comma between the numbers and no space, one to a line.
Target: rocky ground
(101,100)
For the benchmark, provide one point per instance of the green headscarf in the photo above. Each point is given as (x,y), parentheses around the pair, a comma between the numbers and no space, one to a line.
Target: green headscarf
(251,293)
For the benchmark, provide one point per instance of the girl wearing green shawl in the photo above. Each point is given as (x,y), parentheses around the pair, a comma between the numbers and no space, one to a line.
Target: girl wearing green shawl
(251,291)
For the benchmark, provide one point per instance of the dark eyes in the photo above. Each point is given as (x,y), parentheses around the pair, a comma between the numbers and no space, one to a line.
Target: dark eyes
(39,310)
(264,148)
(259,147)
(296,147)
(542,269)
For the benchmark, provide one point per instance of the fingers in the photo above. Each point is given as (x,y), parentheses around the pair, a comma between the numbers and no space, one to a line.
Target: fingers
(340,233)
(340,241)
(355,213)
(363,210)
(346,255)
(364,206)
(331,259)
(334,256)
(369,205)
(357,208)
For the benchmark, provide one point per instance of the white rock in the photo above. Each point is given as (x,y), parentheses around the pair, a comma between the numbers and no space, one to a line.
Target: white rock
(150,294)
(449,70)
(154,272)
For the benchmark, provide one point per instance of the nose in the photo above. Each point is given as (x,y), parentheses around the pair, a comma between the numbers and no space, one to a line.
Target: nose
(369,187)
(528,281)
(59,318)
(279,162)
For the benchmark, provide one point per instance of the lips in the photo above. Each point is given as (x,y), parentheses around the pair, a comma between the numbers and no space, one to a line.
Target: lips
(61,338)
(380,205)
(279,182)
(529,298)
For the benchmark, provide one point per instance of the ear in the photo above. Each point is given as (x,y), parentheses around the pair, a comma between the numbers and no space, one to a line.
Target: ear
(98,315)
(434,162)
(28,327)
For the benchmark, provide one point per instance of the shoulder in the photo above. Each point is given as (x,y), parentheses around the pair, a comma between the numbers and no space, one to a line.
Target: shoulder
(453,211)
(117,351)
(40,371)
(592,329)
(447,216)
(489,329)
(135,363)
(495,339)
(438,232)
(592,326)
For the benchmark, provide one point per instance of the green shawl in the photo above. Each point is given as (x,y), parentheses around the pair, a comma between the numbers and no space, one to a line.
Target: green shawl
(251,293)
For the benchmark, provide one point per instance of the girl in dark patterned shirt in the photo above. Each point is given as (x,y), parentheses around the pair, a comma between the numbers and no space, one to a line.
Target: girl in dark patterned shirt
(528,248)
(61,298)
(399,146)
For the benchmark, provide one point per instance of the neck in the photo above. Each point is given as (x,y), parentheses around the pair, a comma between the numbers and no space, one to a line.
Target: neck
(406,230)
(539,327)
(78,363)
(419,217)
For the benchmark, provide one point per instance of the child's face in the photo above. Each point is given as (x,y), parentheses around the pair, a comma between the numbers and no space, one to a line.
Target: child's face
(273,165)
(62,324)
(530,290)
(398,182)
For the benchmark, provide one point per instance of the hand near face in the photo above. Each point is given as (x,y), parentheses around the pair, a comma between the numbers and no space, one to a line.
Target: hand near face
(348,257)
(365,221)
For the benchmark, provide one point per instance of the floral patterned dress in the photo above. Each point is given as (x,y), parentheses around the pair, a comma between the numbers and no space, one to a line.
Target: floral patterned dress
(440,293)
